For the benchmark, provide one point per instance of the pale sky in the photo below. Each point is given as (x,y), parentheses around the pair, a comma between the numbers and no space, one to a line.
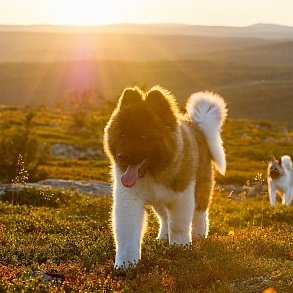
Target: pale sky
(95,12)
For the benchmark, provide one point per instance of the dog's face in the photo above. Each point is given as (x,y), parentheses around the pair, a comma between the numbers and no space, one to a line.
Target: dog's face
(140,134)
(275,169)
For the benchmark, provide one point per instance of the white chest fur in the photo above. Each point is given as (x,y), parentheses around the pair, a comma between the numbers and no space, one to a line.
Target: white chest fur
(175,211)
(152,192)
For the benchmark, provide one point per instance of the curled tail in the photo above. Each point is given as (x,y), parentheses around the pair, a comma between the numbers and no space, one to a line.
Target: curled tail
(208,111)
(286,162)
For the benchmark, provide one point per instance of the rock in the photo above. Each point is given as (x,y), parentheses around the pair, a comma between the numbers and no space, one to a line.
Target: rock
(92,188)
(73,152)
(232,188)
(86,187)
(248,190)
(255,284)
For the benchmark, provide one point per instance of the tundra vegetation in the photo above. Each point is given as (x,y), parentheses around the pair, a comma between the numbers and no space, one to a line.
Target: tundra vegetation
(61,241)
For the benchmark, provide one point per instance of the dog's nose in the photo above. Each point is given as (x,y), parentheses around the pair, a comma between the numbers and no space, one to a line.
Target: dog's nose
(123,157)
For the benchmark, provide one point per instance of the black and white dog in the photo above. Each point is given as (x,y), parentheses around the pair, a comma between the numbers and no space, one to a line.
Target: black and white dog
(280,178)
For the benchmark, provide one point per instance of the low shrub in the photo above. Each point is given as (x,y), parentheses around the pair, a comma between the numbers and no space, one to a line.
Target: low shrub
(19,146)
(32,196)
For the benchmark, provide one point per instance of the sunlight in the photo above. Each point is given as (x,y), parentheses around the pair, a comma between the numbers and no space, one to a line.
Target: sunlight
(75,13)
(90,12)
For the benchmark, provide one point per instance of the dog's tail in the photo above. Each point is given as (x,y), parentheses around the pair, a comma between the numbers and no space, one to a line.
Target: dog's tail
(208,111)
(286,162)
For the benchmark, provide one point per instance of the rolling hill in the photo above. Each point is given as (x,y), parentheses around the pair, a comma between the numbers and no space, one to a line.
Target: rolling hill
(54,47)
(280,53)
(40,65)
(252,91)
(259,30)
(40,43)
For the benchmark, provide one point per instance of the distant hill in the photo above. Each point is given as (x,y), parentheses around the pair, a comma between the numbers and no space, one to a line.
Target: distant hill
(55,44)
(54,47)
(252,67)
(266,54)
(269,31)
(252,91)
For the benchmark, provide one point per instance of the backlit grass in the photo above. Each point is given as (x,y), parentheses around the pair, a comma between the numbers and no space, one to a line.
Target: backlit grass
(249,144)
(68,235)
(250,248)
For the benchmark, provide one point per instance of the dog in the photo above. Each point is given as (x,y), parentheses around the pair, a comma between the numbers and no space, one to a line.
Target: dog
(162,157)
(280,179)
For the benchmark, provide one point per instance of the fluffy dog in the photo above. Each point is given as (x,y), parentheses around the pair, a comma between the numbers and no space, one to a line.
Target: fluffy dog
(280,178)
(164,158)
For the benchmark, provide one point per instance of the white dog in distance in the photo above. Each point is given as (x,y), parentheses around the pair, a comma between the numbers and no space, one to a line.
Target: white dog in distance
(280,179)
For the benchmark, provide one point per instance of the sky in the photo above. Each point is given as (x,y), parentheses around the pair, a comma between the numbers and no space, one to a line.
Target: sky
(96,12)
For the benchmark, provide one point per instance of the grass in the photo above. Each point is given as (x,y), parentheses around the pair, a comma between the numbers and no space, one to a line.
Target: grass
(67,236)
(249,144)
(249,249)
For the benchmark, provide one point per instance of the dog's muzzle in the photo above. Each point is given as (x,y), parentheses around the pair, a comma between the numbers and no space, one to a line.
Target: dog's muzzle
(274,173)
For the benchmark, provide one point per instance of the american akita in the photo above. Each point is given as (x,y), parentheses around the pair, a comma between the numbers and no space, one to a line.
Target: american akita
(162,157)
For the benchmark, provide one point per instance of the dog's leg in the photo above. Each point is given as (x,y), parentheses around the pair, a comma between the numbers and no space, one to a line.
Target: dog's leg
(291,197)
(128,226)
(272,194)
(180,218)
(286,200)
(201,223)
(203,195)
(163,218)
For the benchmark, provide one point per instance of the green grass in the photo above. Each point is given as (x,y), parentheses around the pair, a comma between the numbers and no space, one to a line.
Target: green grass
(249,249)
(68,235)
(249,144)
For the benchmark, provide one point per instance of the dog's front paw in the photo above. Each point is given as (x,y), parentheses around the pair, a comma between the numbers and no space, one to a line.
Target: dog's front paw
(125,272)
(123,265)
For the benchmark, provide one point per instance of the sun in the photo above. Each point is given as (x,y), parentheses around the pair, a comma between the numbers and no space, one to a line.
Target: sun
(90,12)
(72,12)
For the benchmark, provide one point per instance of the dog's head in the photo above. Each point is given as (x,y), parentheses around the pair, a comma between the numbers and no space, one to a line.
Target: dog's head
(275,168)
(141,132)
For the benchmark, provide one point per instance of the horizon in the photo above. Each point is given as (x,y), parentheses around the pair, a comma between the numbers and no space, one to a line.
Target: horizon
(87,26)
(143,23)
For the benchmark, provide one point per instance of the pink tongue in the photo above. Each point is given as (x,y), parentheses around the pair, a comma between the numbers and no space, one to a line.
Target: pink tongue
(130,176)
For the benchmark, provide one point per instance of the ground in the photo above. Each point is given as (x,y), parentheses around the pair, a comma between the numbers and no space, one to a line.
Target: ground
(250,248)
(64,242)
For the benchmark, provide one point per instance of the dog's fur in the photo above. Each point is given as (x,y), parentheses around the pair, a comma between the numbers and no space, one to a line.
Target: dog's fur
(280,178)
(164,158)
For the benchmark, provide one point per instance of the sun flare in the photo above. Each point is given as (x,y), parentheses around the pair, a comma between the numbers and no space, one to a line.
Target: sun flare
(89,12)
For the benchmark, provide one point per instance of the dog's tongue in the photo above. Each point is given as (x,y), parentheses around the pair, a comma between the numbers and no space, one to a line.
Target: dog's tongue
(130,176)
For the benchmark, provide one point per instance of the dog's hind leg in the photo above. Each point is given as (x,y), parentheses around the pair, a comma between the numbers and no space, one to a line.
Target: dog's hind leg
(161,212)
(287,197)
(180,215)
(203,194)
(272,194)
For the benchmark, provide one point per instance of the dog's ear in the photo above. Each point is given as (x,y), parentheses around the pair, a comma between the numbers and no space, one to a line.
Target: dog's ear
(130,96)
(280,161)
(163,104)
